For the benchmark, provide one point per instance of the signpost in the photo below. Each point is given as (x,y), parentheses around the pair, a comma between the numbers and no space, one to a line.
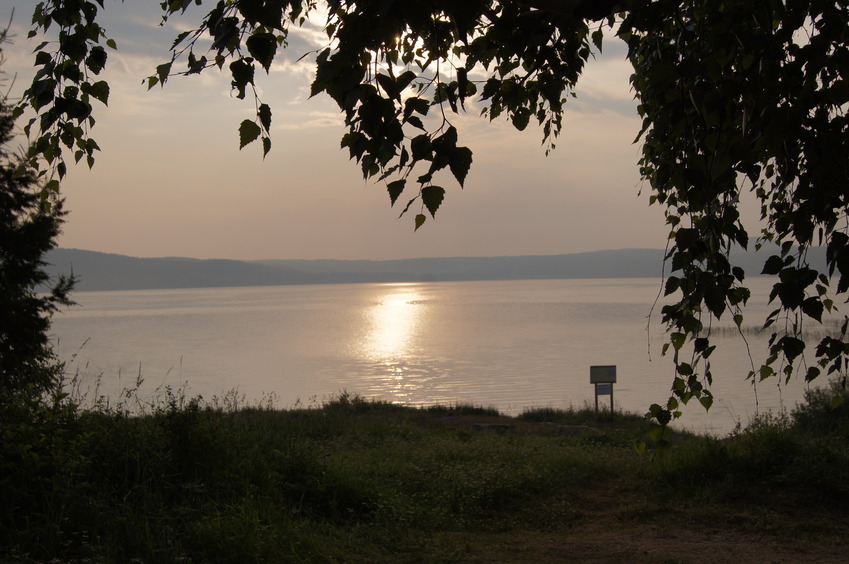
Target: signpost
(603,377)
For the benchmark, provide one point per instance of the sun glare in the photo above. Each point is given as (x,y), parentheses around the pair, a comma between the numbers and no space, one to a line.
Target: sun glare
(389,345)
(393,321)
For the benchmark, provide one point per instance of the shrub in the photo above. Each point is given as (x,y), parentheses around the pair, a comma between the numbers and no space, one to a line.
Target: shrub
(825,410)
(35,437)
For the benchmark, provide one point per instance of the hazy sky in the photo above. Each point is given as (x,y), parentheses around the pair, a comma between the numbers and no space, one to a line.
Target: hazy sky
(171,180)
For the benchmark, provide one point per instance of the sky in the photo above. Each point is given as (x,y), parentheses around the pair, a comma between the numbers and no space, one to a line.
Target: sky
(171,180)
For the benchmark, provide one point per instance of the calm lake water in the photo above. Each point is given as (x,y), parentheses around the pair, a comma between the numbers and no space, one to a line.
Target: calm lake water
(512,345)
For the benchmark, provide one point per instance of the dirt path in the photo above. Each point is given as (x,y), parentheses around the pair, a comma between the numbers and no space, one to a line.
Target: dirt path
(624,534)
(644,544)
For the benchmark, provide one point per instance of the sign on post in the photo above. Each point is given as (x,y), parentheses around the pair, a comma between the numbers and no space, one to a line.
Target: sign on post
(604,389)
(603,377)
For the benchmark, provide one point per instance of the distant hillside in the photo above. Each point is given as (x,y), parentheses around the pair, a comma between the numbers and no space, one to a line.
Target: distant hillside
(101,271)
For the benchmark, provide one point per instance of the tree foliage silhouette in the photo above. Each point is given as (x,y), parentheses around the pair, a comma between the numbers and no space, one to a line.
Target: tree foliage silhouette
(736,96)
(29,225)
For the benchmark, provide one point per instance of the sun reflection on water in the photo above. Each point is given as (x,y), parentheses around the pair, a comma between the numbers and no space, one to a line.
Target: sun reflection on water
(392,323)
(389,344)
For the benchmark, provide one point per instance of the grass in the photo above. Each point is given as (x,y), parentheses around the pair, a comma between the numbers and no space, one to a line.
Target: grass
(355,480)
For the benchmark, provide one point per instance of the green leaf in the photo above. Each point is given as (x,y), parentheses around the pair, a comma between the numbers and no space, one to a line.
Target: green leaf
(195,65)
(521,118)
(395,189)
(98,90)
(773,265)
(52,187)
(415,121)
(684,369)
(162,72)
(813,307)
(407,207)
(243,74)
(420,219)
(686,238)
(43,58)
(415,104)
(597,37)
(264,113)
(96,60)
(432,197)
(248,132)
(792,347)
(663,416)
(420,146)
(404,81)
(262,47)
(388,86)
(460,161)
(672,284)
(812,374)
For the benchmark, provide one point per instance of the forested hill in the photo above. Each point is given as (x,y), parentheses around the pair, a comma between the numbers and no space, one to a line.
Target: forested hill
(101,271)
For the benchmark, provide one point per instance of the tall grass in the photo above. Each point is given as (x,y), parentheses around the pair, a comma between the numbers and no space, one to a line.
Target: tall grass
(180,479)
(803,454)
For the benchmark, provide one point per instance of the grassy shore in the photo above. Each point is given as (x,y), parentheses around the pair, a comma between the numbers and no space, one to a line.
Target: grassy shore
(362,481)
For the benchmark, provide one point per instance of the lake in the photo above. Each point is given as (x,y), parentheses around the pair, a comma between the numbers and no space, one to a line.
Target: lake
(507,344)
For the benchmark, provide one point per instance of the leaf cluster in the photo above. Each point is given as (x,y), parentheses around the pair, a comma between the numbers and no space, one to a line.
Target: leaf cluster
(66,84)
(243,34)
(386,64)
(400,72)
(737,97)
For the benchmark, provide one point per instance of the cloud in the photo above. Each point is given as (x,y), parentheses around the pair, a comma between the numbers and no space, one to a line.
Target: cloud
(171,179)
(310,120)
